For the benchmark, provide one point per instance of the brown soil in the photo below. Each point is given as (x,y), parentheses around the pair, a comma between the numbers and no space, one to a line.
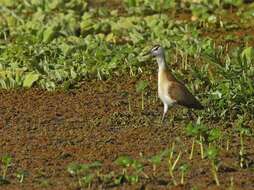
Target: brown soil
(45,131)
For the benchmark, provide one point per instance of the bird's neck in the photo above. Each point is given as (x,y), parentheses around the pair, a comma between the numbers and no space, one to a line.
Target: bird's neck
(164,74)
(161,63)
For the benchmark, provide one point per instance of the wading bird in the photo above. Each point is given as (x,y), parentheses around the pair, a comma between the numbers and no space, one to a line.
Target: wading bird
(170,90)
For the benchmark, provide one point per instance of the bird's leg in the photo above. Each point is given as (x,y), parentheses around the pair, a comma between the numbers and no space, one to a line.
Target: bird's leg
(164,112)
(162,120)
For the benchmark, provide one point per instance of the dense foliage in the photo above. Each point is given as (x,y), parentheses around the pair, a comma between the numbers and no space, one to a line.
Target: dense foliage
(57,43)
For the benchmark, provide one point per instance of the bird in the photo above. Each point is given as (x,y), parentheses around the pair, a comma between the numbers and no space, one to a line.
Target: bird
(171,91)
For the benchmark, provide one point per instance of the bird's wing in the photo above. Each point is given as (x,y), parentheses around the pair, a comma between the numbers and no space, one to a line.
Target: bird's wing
(183,96)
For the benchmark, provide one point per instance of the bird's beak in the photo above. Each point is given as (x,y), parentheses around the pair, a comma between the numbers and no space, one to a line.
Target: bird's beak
(146,53)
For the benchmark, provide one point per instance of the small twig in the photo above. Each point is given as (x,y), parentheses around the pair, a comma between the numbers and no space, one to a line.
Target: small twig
(192,148)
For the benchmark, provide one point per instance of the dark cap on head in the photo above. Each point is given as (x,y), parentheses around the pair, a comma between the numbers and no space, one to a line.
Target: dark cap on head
(157,50)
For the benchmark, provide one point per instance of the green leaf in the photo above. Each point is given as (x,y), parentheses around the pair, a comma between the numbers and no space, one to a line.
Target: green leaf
(234,2)
(87,22)
(137,165)
(132,179)
(50,33)
(21,174)
(191,130)
(214,134)
(3,84)
(248,54)
(130,3)
(118,180)
(8,3)
(87,179)
(30,78)
(142,85)
(184,168)
(95,165)
(212,153)
(74,168)
(124,161)
(6,160)
(156,159)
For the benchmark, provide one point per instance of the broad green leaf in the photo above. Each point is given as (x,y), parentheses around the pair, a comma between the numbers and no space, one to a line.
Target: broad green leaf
(212,153)
(248,54)
(49,33)
(214,134)
(131,3)
(30,78)
(87,22)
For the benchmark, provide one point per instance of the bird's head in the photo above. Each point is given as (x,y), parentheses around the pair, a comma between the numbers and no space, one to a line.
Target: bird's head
(157,51)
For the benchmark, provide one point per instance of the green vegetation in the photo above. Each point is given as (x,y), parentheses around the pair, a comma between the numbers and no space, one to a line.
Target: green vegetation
(21,175)
(157,159)
(212,154)
(141,87)
(135,169)
(183,169)
(59,44)
(56,44)
(5,164)
(84,173)
(172,163)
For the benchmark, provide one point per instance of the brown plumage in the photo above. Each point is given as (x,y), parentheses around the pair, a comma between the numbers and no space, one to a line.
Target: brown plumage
(170,90)
(183,97)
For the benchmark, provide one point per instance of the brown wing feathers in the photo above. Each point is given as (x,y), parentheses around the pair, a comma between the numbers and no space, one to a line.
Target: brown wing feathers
(183,96)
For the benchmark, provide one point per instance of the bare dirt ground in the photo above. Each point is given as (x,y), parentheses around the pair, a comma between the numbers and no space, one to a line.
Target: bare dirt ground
(45,131)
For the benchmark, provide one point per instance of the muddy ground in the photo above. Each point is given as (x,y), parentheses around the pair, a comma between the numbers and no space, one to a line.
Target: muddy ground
(45,131)
(101,120)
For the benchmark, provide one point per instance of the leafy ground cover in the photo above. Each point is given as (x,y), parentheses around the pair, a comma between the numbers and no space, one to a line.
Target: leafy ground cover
(69,122)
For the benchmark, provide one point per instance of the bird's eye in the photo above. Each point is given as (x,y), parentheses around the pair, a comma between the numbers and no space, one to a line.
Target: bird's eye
(155,48)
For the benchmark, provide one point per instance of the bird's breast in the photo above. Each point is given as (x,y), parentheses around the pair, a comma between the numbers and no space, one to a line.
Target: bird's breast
(163,89)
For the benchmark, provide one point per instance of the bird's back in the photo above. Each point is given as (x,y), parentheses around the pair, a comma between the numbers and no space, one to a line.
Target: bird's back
(177,92)
(183,97)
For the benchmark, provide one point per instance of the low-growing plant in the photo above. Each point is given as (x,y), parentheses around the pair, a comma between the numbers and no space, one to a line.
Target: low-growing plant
(21,174)
(243,131)
(172,162)
(131,170)
(84,173)
(184,168)
(141,87)
(214,135)
(198,132)
(143,6)
(6,161)
(157,159)
(212,154)
(191,131)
